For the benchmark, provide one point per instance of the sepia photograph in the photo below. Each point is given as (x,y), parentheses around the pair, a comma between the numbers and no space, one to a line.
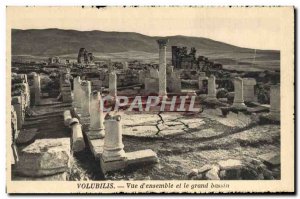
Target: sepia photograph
(150,99)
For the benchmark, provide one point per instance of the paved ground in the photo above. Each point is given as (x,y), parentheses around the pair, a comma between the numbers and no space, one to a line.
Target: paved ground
(185,142)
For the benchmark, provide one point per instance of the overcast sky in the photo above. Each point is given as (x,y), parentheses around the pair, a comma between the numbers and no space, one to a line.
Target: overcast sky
(245,27)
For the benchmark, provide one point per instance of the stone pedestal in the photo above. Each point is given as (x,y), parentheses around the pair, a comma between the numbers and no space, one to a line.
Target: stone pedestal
(37,89)
(162,66)
(238,101)
(96,129)
(76,92)
(77,136)
(112,84)
(275,102)
(248,89)
(211,92)
(85,98)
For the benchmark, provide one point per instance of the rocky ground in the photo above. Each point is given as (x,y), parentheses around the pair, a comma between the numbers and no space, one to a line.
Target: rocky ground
(205,145)
(202,146)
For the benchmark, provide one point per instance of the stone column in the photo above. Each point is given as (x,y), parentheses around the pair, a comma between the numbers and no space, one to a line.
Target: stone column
(85,98)
(125,65)
(96,125)
(37,89)
(211,87)
(76,91)
(112,84)
(238,101)
(200,80)
(275,102)
(16,102)
(77,136)
(113,145)
(65,87)
(248,89)
(162,66)
(109,66)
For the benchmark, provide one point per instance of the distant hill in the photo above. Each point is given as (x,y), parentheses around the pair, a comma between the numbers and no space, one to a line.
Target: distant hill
(58,42)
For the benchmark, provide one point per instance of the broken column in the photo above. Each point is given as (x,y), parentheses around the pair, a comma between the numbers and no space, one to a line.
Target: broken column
(110,66)
(113,157)
(77,136)
(275,102)
(125,65)
(112,84)
(76,91)
(67,117)
(154,73)
(65,87)
(201,78)
(175,82)
(248,89)
(85,98)
(211,88)
(37,89)
(96,130)
(162,66)
(238,101)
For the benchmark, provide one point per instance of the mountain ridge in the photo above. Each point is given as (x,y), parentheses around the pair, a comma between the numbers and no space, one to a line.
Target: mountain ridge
(53,41)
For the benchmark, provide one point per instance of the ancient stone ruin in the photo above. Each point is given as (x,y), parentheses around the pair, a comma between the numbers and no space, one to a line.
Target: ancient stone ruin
(85,57)
(54,135)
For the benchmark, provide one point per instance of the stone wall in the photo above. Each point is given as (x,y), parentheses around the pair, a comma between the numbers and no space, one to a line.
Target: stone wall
(20,101)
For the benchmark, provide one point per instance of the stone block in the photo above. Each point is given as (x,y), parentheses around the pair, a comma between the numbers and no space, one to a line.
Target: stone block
(27,135)
(112,165)
(272,159)
(204,168)
(151,85)
(96,147)
(140,157)
(77,136)
(230,164)
(67,117)
(44,157)
(213,173)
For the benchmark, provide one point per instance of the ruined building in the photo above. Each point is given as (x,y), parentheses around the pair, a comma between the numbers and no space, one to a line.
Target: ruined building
(181,59)
(85,57)
(54,60)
